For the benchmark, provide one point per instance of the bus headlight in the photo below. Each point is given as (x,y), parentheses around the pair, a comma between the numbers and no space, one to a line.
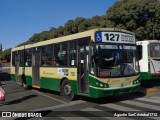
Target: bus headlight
(97,83)
(135,81)
(102,85)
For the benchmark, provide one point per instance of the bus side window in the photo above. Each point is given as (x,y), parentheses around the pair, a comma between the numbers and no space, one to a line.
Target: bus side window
(63,54)
(46,56)
(72,54)
(56,55)
(28,58)
(13,58)
(139,50)
(21,58)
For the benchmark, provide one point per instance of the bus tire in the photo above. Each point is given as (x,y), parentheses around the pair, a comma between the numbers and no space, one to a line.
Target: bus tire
(66,90)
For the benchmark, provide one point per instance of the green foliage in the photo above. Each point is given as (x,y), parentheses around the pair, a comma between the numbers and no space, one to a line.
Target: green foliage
(5,55)
(139,16)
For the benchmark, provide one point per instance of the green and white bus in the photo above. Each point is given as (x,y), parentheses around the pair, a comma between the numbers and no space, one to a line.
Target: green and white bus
(149,59)
(96,63)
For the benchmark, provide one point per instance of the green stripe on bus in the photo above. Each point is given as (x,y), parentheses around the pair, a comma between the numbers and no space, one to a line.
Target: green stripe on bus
(49,83)
(13,77)
(148,76)
(54,84)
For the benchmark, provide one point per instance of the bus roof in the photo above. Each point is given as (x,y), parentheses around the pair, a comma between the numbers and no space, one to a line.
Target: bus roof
(89,33)
(148,41)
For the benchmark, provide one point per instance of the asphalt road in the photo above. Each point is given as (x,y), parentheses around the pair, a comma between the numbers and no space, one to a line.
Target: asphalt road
(51,104)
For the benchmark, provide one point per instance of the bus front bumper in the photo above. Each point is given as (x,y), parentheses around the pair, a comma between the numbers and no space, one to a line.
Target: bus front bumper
(99,93)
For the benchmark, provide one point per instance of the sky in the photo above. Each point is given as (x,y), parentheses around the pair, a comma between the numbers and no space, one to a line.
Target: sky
(20,19)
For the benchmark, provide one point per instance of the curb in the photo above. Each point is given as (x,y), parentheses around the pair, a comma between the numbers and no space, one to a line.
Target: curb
(149,90)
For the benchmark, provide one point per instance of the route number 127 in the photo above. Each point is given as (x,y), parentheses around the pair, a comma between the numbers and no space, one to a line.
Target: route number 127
(111,37)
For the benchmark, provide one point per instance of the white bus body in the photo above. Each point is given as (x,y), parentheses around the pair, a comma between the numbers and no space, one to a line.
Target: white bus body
(149,59)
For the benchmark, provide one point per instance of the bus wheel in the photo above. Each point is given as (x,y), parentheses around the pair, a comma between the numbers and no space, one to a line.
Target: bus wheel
(66,90)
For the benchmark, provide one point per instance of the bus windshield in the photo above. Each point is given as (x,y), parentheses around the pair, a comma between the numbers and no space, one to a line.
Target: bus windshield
(155,50)
(116,60)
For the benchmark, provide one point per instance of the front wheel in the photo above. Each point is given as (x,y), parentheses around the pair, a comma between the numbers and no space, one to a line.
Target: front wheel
(66,90)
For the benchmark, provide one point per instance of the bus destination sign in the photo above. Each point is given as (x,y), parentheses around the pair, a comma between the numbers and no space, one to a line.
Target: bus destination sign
(114,37)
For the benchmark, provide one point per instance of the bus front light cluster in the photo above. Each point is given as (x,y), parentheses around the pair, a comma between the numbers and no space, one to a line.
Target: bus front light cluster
(102,85)
(135,81)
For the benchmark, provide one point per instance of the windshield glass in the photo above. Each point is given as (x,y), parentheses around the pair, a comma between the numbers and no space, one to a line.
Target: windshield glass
(155,50)
(116,60)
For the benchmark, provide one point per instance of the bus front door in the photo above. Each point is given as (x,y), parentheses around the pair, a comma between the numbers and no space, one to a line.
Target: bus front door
(154,66)
(36,69)
(83,69)
(17,63)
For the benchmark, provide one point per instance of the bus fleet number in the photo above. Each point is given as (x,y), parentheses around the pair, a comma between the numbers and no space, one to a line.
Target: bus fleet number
(111,37)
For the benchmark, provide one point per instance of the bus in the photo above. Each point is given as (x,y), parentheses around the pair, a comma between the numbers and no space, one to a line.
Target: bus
(149,59)
(96,63)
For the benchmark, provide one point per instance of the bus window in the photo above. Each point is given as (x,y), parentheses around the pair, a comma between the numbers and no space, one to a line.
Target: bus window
(13,58)
(47,53)
(72,54)
(21,53)
(56,55)
(28,58)
(60,55)
(155,50)
(63,55)
(113,61)
(139,50)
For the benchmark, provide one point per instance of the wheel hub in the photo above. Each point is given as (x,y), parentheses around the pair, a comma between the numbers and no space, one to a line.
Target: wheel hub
(67,89)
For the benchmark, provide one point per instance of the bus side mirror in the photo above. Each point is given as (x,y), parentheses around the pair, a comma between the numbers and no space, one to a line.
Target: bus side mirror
(92,51)
(93,54)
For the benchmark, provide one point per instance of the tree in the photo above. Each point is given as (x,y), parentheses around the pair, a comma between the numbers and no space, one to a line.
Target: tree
(68,27)
(139,16)
(5,55)
(60,31)
(104,22)
(84,25)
